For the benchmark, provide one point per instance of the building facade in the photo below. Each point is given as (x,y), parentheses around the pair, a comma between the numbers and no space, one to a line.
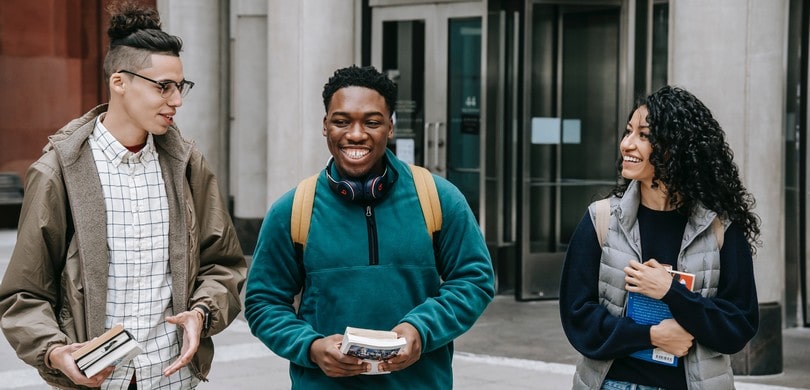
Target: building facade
(520,103)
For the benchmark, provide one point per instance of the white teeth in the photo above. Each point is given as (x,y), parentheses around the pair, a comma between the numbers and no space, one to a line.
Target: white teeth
(355,153)
(632,159)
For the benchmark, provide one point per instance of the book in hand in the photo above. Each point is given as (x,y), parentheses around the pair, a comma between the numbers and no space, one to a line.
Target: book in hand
(113,347)
(372,346)
(649,311)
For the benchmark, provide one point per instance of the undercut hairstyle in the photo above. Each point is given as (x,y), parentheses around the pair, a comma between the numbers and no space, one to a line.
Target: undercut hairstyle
(367,77)
(135,34)
(692,159)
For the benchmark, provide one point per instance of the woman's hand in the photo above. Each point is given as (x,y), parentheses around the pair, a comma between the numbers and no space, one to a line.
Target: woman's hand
(651,278)
(670,336)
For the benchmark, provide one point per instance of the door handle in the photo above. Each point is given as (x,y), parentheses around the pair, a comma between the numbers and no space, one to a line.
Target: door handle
(426,140)
(439,145)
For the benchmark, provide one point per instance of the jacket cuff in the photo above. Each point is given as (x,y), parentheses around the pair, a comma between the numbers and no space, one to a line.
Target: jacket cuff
(45,356)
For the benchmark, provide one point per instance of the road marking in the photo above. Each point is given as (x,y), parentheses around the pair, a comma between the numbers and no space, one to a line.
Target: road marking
(231,353)
(534,365)
(20,378)
(569,369)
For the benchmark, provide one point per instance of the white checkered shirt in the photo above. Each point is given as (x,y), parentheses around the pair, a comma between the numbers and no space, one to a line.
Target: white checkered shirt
(139,279)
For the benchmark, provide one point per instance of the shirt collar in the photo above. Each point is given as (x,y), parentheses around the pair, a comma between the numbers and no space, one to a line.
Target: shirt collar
(115,152)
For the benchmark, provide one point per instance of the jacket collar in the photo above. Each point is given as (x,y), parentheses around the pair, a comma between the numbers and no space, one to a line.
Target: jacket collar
(68,141)
(627,211)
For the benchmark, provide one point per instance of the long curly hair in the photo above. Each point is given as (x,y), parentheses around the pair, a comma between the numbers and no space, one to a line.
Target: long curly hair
(692,159)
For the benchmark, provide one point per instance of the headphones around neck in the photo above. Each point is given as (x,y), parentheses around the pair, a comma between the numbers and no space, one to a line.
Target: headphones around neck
(369,189)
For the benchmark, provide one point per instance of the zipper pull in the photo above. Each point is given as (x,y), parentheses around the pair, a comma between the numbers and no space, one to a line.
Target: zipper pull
(368,211)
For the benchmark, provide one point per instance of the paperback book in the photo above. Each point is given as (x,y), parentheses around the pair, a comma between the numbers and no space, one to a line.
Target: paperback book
(372,346)
(648,311)
(113,347)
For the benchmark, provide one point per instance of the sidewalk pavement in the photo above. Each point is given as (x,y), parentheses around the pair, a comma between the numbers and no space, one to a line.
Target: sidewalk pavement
(516,345)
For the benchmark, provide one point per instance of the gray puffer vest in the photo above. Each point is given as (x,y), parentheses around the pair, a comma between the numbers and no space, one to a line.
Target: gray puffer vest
(700,255)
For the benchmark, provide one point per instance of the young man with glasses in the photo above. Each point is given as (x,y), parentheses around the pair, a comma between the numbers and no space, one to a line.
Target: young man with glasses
(123,222)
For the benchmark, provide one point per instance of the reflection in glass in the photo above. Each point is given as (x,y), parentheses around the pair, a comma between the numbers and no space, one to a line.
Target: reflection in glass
(463,107)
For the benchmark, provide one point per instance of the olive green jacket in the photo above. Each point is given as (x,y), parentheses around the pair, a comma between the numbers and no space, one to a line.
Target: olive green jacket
(55,287)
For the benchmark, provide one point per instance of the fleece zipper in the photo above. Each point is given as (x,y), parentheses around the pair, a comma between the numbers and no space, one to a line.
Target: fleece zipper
(371,224)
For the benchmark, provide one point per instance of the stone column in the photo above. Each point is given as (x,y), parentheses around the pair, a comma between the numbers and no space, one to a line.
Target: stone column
(202,25)
(308,41)
(248,153)
(731,54)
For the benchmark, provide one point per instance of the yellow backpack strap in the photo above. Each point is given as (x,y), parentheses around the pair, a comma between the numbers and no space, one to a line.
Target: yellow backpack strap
(428,198)
(302,210)
(602,220)
(719,232)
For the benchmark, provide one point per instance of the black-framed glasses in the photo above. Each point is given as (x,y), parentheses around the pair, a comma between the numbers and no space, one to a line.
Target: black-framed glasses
(167,87)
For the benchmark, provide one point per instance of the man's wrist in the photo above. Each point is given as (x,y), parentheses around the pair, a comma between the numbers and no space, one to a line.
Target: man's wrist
(205,316)
(47,358)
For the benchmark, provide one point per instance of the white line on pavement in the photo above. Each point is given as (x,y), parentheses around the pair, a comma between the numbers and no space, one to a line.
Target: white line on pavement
(534,365)
(568,369)
(230,353)
(15,379)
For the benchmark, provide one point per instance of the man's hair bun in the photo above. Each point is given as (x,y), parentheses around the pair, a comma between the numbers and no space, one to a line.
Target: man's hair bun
(128,17)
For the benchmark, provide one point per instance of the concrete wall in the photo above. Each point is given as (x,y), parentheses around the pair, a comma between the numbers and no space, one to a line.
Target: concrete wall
(259,124)
(248,151)
(202,25)
(731,54)
(310,39)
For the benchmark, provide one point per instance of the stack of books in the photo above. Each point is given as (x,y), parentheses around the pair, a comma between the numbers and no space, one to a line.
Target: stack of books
(373,346)
(649,311)
(113,347)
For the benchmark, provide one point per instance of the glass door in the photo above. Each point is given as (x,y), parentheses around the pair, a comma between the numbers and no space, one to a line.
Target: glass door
(570,130)
(433,52)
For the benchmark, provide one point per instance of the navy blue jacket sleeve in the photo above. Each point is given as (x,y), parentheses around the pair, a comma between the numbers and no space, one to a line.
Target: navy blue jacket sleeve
(728,320)
(590,328)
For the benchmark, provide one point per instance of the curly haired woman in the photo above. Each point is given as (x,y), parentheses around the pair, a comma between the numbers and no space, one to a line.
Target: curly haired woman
(680,204)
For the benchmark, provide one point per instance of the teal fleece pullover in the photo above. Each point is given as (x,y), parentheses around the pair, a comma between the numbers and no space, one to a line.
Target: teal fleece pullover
(370,265)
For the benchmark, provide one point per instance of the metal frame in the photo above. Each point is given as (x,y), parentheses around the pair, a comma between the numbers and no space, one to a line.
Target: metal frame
(436,16)
(624,95)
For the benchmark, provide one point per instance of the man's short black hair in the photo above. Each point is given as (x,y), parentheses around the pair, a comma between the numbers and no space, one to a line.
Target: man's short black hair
(367,77)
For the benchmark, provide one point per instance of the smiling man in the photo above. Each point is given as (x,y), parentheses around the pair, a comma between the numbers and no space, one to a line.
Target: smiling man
(369,260)
(123,222)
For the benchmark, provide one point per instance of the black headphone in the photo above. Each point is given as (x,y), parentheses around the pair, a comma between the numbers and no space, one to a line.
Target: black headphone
(370,189)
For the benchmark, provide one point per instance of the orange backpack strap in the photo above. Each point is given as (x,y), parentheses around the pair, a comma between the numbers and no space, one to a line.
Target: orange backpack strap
(304,198)
(428,198)
(301,216)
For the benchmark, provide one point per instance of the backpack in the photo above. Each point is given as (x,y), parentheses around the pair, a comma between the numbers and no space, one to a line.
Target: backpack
(602,223)
(304,199)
